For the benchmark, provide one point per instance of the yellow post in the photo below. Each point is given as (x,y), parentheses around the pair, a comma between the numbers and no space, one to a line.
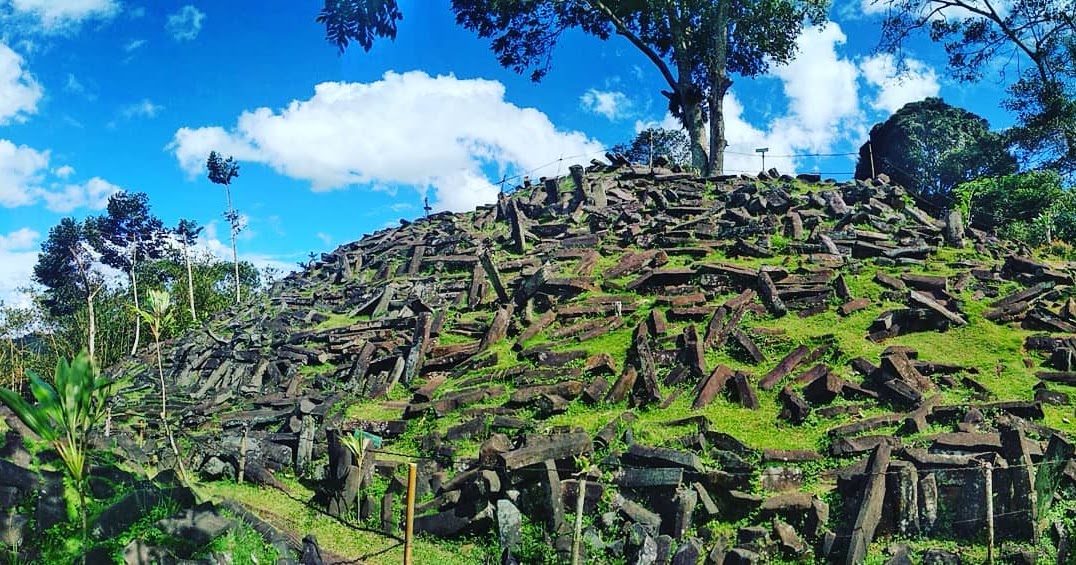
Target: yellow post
(409,531)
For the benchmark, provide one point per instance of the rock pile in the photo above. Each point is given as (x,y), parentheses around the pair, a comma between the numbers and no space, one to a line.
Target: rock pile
(614,286)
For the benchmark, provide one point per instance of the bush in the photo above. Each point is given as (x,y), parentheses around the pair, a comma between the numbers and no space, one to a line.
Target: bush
(1032,208)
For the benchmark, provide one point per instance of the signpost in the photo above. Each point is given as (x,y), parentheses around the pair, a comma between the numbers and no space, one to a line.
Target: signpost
(762,151)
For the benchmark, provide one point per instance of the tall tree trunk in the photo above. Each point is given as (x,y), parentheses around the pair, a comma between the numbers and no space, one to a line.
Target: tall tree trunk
(233,222)
(696,132)
(190,280)
(716,101)
(718,87)
(134,292)
(691,115)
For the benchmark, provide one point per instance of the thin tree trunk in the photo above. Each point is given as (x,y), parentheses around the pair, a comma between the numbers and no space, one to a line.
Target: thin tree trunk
(190,280)
(232,222)
(93,325)
(164,411)
(134,292)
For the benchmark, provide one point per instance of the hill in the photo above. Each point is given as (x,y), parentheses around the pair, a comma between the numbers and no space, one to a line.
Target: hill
(731,369)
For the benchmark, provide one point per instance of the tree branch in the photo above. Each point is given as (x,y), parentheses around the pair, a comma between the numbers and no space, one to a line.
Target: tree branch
(622,29)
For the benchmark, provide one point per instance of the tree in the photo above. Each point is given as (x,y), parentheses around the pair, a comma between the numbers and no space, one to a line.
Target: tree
(126,234)
(222,171)
(67,269)
(187,233)
(1033,42)
(930,147)
(1031,207)
(655,142)
(694,44)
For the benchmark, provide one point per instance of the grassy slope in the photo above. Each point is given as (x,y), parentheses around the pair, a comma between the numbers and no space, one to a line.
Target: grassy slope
(996,350)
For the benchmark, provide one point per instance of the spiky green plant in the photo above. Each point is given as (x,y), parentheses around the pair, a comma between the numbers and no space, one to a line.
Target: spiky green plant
(64,415)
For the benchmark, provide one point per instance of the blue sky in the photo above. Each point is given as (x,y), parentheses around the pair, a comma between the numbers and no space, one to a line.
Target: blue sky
(102,95)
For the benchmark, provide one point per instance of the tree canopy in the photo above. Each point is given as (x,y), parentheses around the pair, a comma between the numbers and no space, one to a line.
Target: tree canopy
(694,44)
(1032,207)
(657,142)
(65,267)
(1033,45)
(128,231)
(930,147)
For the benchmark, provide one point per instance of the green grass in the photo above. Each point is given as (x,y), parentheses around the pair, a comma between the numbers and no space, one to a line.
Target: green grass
(290,512)
(337,320)
(245,545)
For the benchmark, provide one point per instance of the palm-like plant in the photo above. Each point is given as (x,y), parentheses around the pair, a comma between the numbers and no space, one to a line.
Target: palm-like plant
(65,414)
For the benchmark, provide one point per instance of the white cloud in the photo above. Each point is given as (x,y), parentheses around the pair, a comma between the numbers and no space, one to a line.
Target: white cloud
(92,194)
(872,7)
(896,89)
(21,171)
(406,129)
(58,16)
(209,242)
(17,260)
(611,104)
(824,109)
(73,85)
(143,109)
(325,238)
(19,92)
(64,171)
(185,24)
(24,238)
(23,175)
(822,91)
(133,45)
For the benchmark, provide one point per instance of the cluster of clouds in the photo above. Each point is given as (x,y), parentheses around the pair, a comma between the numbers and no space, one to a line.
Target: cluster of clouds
(440,134)
(452,138)
(59,17)
(447,137)
(832,99)
(28,175)
(18,254)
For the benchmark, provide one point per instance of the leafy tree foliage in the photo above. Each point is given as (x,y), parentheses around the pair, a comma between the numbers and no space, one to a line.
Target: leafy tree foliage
(694,44)
(126,234)
(1033,207)
(359,20)
(654,142)
(1034,40)
(222,171)
(211,283)
(67,268)
(930,147)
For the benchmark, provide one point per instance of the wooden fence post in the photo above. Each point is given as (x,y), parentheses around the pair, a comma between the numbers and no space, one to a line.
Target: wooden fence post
(409,530)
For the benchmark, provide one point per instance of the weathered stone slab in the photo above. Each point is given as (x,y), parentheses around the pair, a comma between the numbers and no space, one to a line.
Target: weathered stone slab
(783,368)
(870,507)
(557,446)
(743,391)
(711,386)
